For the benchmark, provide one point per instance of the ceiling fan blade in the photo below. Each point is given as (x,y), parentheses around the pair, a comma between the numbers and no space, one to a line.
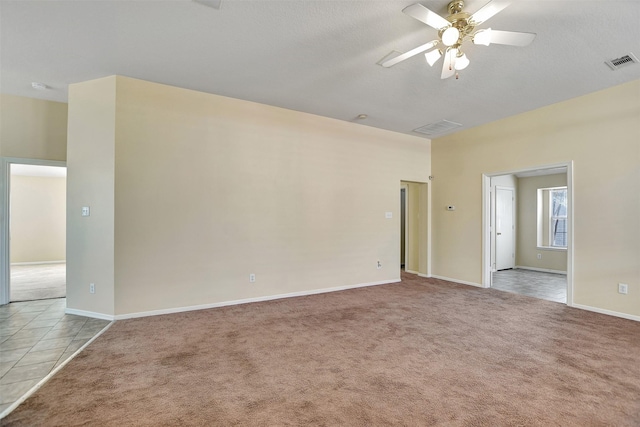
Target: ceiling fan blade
(425,15)
(488,10)
(413,52)
(448,68)
(512,38)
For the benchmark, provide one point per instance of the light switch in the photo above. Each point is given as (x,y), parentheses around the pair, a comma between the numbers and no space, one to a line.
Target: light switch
(86,211)
(388,215)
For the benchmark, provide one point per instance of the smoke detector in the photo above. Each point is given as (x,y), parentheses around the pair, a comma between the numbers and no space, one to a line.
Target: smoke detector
(39,86)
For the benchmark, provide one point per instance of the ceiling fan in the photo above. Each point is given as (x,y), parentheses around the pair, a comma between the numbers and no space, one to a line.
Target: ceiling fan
(454,30)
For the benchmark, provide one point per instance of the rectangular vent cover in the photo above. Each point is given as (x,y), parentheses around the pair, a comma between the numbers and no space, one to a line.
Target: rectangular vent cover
(437,127)
(629,59)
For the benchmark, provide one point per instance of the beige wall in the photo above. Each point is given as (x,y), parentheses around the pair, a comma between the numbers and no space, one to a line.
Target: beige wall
(90,182)
(209,189)
(32,128)
(38,222)
(527,249)
(600,133)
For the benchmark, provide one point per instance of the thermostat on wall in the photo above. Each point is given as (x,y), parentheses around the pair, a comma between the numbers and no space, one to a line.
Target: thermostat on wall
(451,208)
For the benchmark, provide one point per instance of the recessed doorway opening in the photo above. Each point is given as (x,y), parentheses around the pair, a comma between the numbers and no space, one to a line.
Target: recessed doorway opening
(33,242)
(527,232)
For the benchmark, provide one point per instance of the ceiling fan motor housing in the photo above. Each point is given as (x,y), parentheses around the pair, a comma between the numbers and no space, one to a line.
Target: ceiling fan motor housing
(455,6)
(460,20)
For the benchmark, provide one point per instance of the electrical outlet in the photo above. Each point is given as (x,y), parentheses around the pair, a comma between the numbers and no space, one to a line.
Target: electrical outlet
(92,288)
(539,256)
(379,266)
(623,288)
(252,278)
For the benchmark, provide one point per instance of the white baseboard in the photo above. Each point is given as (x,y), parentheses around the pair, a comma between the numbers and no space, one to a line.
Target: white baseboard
(247,300)
(543,270)
(63,261)
(89,314)
(608,312)
(411,272)
(462,282)
(40,383)
(426,276)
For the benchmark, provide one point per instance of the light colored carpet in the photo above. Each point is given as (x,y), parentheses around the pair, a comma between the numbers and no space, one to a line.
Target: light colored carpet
(38,281)
(419,353)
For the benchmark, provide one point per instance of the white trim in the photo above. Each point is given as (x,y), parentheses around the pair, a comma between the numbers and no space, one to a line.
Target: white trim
(487,266)
(426,276)
(462,282)
(543,270)
(5,268)
(551,248)
(570,242)
(405,187)
(40,262)
(40,383)
(411,272)
(248,300)
(5,183)
(607,312)
(429,216)
(89,314)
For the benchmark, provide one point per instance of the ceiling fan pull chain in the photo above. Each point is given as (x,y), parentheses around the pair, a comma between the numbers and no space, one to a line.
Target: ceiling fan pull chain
(457,76)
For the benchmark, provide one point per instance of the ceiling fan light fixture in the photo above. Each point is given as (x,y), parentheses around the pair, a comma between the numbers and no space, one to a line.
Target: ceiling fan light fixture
(450,36)
(462,61)
(482,37)
(433,56)
(455,30)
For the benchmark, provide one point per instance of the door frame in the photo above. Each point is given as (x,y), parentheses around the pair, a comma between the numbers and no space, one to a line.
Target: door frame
(405,187)
(5,220)
(495,221)
(486,222)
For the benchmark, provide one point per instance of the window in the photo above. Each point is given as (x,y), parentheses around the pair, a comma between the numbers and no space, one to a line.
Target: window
(558,218)
(552,217)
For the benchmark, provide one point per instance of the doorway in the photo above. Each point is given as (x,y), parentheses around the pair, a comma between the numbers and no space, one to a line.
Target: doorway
(33,224)
(527,244)
(415,226)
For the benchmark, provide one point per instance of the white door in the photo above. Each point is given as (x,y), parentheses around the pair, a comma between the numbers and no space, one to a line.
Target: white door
(505,233)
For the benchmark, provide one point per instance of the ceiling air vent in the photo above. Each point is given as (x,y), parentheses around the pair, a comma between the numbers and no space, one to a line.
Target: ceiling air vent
(438,127)
(629,59)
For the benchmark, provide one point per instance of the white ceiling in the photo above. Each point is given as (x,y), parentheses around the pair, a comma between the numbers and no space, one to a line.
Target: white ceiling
(320,56)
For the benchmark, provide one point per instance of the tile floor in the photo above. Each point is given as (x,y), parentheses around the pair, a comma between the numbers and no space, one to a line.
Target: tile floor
(38,281)
(548,286)
(36,337)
